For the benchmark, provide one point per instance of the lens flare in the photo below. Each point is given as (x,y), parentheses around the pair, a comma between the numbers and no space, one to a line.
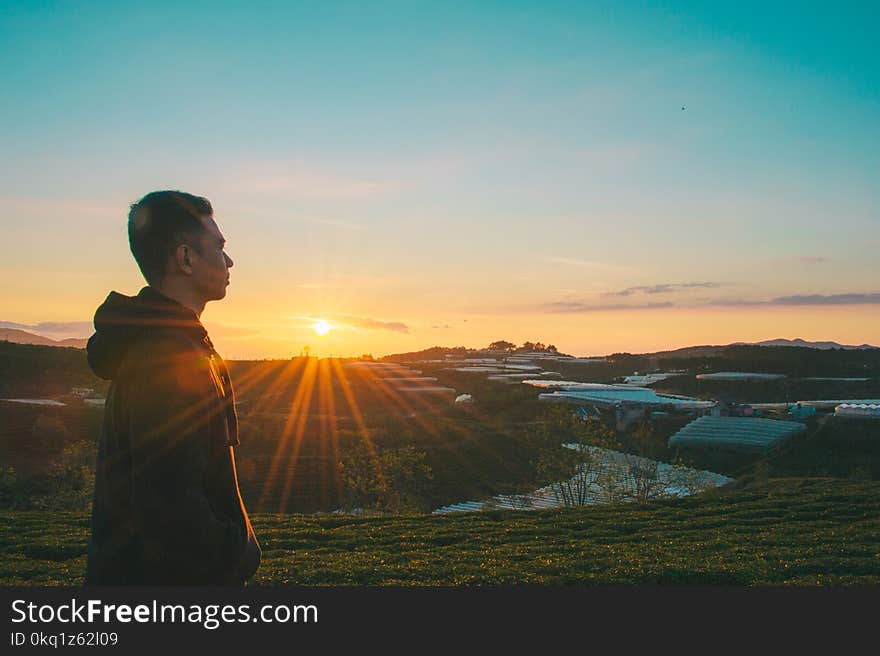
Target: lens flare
(322,327)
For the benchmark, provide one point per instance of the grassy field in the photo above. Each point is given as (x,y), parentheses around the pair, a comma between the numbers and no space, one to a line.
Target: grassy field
(781,531)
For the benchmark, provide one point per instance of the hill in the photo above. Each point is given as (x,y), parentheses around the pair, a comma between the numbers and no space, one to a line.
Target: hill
(764,529)
(31,370)
(806,344)
(715,351)
(789,532)
(17,336)
(687,352)
(298,418)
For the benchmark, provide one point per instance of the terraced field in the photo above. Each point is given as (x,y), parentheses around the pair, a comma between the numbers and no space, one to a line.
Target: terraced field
(781,531)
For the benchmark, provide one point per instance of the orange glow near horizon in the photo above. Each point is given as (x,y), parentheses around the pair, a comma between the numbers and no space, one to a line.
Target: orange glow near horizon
(581,334)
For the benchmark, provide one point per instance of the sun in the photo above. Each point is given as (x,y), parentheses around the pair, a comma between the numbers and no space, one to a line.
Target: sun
(321,327)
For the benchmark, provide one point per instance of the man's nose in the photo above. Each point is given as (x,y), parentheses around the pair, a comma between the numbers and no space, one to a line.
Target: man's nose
(229,261)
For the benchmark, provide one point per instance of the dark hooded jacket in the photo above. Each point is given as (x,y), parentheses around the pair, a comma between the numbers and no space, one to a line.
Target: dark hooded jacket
(167,508)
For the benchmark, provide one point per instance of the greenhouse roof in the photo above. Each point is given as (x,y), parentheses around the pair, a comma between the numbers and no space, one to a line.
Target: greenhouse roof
(829,378)
(433,389)
(827,404)
(746,434)
(739,375)
(862,410)
(409,379)
(646,379)
(571,385)
(611,395)
(678,482)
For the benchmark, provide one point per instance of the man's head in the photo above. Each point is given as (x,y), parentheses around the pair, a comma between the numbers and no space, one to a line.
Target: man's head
(178,246)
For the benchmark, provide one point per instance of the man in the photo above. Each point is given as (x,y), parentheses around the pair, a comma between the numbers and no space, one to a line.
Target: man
(167,508)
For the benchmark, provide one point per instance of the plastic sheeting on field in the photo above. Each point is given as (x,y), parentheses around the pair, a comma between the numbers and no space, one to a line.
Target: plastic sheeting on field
(742,434)
(611,475)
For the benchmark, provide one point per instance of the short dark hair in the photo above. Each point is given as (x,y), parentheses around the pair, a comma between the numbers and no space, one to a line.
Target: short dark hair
(158,223)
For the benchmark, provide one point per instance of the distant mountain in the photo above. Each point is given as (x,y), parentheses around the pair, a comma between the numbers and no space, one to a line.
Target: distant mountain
(74,342)
(715,351)
(23,337)
(689,352)
(805,344)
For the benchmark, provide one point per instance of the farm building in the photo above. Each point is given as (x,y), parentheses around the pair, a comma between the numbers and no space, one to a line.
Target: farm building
(829,404)
(630,403)
(613,395)
(801,411)
(741,434)
(646,379)
(565,384)
(837,378)
(409,379)
(738,376)
(425,389)
(858,410)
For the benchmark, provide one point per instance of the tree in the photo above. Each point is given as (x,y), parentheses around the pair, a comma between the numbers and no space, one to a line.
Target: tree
(572,455)
(501,345)
(391,480)
(50,433)
(613,481)
(644,479)
(72,478)
(686,481)
(592,468)
(643,474)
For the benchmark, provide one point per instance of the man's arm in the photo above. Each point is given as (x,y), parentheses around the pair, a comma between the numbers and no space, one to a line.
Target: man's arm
(172,422)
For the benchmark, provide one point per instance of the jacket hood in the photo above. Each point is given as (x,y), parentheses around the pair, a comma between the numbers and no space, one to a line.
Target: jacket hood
(120,320)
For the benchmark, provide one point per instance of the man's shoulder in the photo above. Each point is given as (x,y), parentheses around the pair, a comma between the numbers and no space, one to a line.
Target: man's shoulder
(165,343)
(168,355)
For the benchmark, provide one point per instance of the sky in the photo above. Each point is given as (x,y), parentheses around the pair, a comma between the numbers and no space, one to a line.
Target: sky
(603,177)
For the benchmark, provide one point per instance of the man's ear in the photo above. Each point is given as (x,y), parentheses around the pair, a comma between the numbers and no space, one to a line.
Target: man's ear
(183,258)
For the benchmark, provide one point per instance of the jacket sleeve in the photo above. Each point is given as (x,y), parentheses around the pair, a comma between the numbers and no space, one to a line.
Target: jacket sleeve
(172,421)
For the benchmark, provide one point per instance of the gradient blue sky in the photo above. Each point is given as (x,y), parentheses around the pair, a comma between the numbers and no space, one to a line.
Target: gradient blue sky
(423,173)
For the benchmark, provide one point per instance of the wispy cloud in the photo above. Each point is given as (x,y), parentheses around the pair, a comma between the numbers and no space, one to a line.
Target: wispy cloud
(347,225)
(573,306)
(369,323)
(812,259)
(232,332)
(305,180)
(827,299)
(857,298)
(577,306)
(65,326)
(291,217)
(81,329)
(591,265)
(664,288)
(26,207)
(349,282)
(314,285)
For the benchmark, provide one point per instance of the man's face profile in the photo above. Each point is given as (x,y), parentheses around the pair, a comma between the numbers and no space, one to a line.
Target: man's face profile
(210,264)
